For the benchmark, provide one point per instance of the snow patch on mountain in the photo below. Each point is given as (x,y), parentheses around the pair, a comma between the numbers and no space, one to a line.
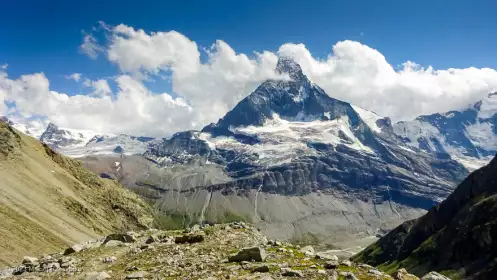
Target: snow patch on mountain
(30,128)
(468,135)
(59,137)
(482,135)
(370,118)
(109,144)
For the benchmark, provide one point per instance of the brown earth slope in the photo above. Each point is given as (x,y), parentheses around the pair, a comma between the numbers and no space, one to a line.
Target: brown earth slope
(48,201)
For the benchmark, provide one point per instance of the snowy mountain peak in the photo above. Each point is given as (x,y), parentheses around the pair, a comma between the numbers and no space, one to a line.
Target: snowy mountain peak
(286,65)
(290,100)
(468,135)
(64,137)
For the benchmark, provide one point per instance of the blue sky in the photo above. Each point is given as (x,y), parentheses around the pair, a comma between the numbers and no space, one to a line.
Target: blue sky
(346,44)
(45,35)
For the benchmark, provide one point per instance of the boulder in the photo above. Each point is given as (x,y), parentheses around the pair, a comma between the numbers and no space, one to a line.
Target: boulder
(291,273)
(152,239)
(66,262)
(257,254)
(30,260)
(307,250)
(346,263)
(331,265)
(348,276)
(30,264)
(375,272)
(50,266)
(123,237)
(73,249)
(262,268)
(434,276)
(326,256)
(189,238)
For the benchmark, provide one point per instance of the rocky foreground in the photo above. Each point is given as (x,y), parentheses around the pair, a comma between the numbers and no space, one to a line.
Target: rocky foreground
(227,251)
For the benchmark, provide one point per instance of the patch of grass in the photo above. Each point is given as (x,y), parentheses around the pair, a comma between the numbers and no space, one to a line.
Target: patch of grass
(389,268)
(305,239)
(173,220)
(209,230)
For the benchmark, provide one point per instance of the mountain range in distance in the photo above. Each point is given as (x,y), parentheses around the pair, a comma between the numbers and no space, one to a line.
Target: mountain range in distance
(296,162)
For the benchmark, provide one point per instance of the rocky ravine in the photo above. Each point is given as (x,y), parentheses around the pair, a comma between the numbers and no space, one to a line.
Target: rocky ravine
(225,251)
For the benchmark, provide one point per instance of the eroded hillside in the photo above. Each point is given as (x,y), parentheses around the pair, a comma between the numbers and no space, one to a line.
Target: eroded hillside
(49,201)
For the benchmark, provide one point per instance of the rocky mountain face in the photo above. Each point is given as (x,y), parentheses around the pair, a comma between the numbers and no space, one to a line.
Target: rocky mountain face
(468,135)
(457,236)
(299,164)
(224,251)
(49,201)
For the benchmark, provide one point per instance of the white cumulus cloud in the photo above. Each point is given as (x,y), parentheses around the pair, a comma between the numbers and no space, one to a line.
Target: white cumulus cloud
(90,47)
(361,75)
(207,83)
(74,76)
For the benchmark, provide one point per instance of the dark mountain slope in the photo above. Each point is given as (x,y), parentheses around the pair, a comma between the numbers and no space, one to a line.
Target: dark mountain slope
(458,235)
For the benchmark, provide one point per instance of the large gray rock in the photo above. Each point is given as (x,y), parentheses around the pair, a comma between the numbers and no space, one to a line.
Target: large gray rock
(291,273)
(189,238)
(326,256)
(434,276)
(307,250)
(73,249)
(257,254)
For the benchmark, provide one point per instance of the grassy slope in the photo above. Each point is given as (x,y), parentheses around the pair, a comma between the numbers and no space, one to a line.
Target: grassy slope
(48,201)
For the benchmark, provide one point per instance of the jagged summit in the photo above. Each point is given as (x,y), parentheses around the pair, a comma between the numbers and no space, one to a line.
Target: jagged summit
(287,65)
(293,100)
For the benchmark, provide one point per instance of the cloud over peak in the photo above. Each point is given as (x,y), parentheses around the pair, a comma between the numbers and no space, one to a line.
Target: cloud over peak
(205,89)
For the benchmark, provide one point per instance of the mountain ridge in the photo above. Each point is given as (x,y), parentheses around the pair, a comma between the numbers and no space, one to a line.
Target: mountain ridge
(49,201)
(456,235)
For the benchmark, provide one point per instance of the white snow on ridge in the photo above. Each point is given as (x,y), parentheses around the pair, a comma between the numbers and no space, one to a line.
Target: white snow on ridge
(482,135)
(282,140)
(107,146)
(369,118)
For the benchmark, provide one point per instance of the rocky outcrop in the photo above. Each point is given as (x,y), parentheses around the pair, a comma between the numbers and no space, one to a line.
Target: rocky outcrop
(228,251)
(457,235)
